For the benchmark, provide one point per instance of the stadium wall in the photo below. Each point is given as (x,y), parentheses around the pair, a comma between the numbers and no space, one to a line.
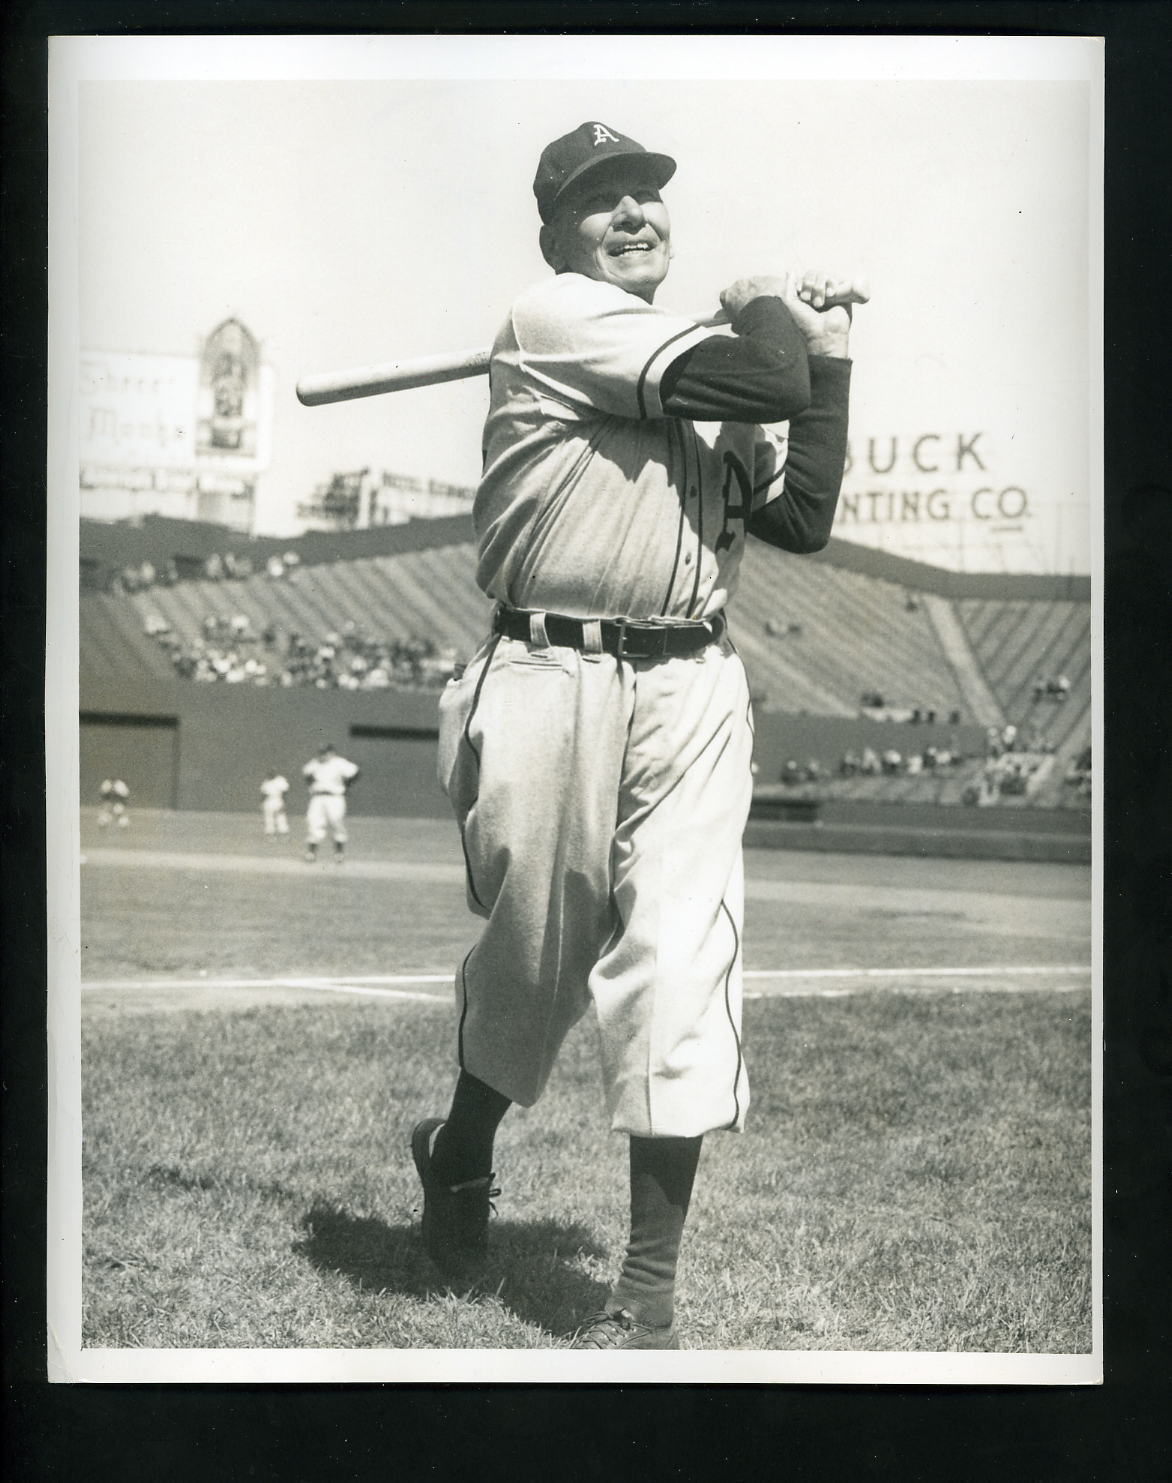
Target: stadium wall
(781,736)
(206,747)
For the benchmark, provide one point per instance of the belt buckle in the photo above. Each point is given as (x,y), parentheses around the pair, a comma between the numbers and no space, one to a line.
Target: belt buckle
(644,646)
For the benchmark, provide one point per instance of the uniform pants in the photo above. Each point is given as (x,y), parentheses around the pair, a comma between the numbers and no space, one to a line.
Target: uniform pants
(275,817)
(326,815)
(601,805)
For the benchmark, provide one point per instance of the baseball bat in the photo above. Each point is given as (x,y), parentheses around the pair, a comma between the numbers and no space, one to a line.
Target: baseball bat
(457,365)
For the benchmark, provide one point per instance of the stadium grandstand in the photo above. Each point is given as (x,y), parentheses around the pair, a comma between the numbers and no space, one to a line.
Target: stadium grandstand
(207,656)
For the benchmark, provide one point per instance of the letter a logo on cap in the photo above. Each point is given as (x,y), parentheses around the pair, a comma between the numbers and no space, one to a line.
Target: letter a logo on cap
(601,132)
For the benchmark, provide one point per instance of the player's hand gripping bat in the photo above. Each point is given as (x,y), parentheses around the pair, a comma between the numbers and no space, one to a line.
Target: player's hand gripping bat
(432,370)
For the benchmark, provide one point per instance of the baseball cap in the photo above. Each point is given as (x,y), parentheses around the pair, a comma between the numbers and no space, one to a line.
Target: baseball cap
(590,144)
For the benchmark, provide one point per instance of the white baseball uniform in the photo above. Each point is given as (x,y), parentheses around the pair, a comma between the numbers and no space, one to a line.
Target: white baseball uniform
(273,792)
(602,801)
(327,779)
(115,796)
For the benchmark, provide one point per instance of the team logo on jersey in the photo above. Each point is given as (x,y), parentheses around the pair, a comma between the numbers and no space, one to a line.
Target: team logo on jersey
(734,469)
(602,133)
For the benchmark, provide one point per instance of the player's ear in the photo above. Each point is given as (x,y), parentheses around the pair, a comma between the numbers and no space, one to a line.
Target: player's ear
(549,249)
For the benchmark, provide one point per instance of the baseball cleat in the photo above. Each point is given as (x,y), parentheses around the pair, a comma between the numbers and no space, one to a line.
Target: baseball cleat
(455,1217)
(622,1330)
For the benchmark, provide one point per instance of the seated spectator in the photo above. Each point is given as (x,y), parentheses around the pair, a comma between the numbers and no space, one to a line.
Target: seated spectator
(791,773)
(813,770)
(155,625)
(870,765)
(1078,772)
(850,764)
(915,763)
(213,567)
(892,762)
(274,567)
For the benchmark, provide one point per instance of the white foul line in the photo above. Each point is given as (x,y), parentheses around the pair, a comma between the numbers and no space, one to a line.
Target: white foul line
(981,972)
(337,985)
(386,985)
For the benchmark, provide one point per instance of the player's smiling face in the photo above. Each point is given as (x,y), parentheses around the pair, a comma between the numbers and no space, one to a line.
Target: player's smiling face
(612,226)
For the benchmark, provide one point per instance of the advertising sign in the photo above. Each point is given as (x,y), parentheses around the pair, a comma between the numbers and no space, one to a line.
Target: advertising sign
(137,411)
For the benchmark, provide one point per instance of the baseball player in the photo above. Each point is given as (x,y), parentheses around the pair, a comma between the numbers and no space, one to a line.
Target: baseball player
(272,793)
(597,749)
(328,776)
(114,806)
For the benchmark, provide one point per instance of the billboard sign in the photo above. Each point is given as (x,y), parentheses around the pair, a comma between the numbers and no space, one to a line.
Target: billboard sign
(137,411)
(231,420)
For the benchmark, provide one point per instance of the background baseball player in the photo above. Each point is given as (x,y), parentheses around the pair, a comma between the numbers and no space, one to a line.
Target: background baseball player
(272,792)
(114,807)
(597,749)
(328,776)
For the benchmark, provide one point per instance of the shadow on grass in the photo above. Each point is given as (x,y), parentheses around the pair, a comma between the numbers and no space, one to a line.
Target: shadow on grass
(529,1269)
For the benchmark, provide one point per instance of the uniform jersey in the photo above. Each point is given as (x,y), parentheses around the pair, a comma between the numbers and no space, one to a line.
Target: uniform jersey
(273,790)
(593,502)
(328,778)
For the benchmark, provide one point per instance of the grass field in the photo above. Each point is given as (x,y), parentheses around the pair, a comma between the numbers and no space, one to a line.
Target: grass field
(259,1035)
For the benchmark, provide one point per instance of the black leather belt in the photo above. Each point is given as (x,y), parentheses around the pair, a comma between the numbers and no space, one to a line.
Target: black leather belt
(625,638)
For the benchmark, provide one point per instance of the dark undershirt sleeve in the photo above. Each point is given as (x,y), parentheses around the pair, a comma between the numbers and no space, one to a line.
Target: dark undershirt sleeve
(801,516)
(758,374)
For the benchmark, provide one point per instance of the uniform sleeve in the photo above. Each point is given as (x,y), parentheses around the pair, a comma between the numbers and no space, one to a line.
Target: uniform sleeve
(593,347)
(795,504)
(759,374)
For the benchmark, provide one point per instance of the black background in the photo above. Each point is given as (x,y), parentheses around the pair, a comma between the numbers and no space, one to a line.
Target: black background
(1118,1431)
